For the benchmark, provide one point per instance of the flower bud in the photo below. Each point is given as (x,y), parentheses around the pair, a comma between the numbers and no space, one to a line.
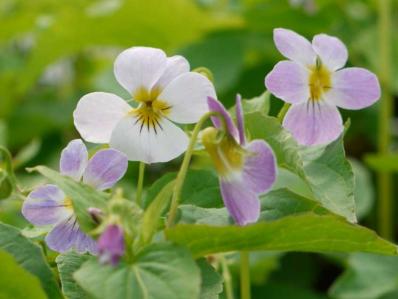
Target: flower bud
(111,245)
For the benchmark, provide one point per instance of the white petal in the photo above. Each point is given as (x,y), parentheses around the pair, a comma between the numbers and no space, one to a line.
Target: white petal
(147,145)
(331,50)
(176,65)
(139,67)
(97,114)
(187,95)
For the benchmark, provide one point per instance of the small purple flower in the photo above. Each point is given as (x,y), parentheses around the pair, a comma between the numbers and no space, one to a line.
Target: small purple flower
(314,82)
(111,245)
(48,204)
(245,169)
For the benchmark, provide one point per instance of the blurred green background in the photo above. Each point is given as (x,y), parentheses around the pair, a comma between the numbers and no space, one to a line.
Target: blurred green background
(53,52)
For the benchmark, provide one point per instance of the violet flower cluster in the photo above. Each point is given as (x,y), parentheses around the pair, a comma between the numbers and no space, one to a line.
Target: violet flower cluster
(312,80)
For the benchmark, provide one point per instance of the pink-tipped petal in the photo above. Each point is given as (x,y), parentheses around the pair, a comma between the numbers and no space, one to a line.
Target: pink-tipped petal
(45,205)
(242,204)
(331,50)
(74,159)
(240,120)
(289,82)
(353,88)
(314,123)
(216,106)
(111,245)
(105,168)
(259,170)
(294,46)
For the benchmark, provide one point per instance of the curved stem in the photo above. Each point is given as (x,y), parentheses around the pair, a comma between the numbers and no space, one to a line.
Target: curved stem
(184,168)
(283,112)
(244,275)
(140,184)
(385,115)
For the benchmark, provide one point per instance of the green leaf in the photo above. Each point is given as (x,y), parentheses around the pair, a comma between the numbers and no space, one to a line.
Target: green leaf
(161,271)
(306,232)
(324,168)
(268,128)
(257,104)
(212,282)
(16,282)
(367,277)
(30,257)
(151,217)
(68,264)
(330,177)
(201,188)
(82,196)
(364,189)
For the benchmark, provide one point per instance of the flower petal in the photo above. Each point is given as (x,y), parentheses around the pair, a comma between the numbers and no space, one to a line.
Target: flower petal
(259,170)
(45,205)
(294,46)
(187,95)
(97,114)
(289,82)
(105,168)
(240,120)
(74,159)
(67,234)
(176,65)
(353,88)
(139,67)
(217,106)
(242,204)
(314,123)
(144,144)
(331,50)
(111,244)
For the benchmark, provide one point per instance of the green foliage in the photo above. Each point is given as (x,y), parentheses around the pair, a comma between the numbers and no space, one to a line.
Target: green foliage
(211,282)
(201,188)
(161,271)
(30,257)
(367,277)
(13,277)
(68,264)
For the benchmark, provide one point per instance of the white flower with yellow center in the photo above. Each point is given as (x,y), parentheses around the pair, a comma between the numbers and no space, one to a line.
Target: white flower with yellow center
(166,92)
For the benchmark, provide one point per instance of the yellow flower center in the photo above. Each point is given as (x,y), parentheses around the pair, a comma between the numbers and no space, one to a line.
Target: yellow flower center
(226,154)
(319,81)
(151,109)
(68,204)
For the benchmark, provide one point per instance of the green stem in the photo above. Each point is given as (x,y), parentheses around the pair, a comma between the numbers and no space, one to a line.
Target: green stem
(244,275)
(283,112)
(184,168)
(140,184)
(385,207)
(229,293)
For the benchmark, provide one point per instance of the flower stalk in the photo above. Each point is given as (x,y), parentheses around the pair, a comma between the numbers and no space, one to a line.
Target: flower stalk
(244,275)
(385,115)
(184,168)
(140,183)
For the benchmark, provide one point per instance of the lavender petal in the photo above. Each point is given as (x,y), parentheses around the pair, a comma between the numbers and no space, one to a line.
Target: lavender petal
(74,159)
(105,168)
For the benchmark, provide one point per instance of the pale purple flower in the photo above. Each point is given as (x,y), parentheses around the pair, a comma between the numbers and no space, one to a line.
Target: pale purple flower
(111,245)
(245,170)
(48,204)
(314,81)
(166,93)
